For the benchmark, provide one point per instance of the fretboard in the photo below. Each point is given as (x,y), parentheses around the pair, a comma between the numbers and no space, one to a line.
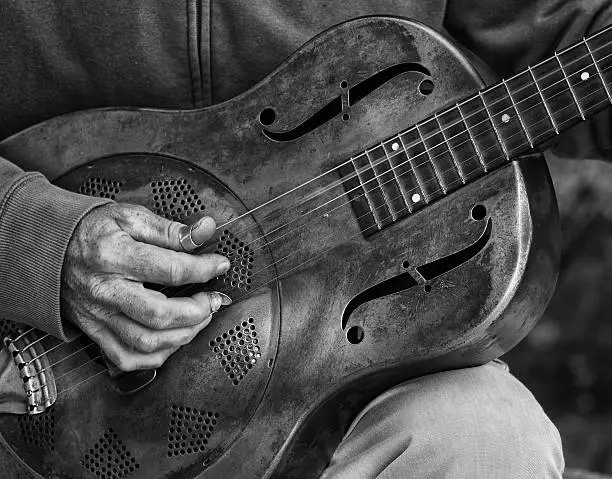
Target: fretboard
(479,134)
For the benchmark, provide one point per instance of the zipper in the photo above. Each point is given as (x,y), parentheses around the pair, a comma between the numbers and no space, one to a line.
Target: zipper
(199,51)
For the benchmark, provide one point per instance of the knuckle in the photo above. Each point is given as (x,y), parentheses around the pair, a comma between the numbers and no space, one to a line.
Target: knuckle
(124,365)
(130,215)
(147,343)
(132,211)
(104,254)
(176,272)
(99,289)
(158,316)
(171,231)
(122,361)
(95,253)
(140,210)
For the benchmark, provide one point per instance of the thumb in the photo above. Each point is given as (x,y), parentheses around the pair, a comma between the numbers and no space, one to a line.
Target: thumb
(155,230)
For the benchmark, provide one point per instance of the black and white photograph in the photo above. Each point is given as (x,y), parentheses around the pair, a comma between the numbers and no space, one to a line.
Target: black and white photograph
(306,239)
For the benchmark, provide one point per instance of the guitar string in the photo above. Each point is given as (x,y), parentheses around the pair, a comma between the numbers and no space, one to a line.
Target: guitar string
(89,378)
(446,142)
(509,108)
(359,170)
(57,378)
(38,356)
(399,212)
(441,130)
(99,356)
(93,376)
(376,176)
(416,189)
(62,359)
(328,249)
(191,287)
(592,62)
(70,371)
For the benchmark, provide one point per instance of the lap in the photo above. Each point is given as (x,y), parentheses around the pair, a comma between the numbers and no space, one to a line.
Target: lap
(472,423)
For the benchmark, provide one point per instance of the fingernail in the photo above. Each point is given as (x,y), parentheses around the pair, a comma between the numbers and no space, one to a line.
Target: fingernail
(218,300)
(223,267)
(225,299)
(201,221)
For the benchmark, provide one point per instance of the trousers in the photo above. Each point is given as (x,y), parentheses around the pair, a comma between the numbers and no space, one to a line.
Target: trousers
(471,423)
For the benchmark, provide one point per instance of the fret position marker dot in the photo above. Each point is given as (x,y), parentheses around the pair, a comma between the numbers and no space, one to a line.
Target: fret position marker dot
(395,146)
(416,198)
(584,76)
(505,118)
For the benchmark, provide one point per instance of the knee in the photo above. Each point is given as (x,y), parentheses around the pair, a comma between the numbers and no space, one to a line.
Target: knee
(474,422)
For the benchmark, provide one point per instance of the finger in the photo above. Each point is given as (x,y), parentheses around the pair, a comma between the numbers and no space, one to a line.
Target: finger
(146,340)
(124,357)
(156,311)
(152,264)
(191,237)
(147,227)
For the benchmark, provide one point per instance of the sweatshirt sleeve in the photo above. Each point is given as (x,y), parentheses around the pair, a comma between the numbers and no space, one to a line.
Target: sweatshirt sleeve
(37,220)
(509,35)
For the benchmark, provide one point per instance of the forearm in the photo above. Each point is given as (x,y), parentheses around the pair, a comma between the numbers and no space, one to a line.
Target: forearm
(509,35)
(37,220)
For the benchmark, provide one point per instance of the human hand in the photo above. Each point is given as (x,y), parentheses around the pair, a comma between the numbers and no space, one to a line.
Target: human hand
(113,251)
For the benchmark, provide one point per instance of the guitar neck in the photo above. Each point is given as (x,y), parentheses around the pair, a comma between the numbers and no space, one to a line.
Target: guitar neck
(467,140)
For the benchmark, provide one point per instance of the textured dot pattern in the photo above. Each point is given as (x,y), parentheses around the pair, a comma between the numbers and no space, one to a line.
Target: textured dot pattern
(175,199)
(190,430)
(109,458)
(38,430)
(7,328)
(237,350)
(102,187)
(241,259)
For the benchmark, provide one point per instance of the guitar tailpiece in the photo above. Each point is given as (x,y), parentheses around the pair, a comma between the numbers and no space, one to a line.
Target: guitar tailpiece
(34,368)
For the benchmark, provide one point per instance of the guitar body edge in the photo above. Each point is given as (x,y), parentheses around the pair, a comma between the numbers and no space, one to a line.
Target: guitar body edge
(463,280)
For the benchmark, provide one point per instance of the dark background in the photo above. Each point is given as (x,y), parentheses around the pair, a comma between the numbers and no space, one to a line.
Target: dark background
(566,361)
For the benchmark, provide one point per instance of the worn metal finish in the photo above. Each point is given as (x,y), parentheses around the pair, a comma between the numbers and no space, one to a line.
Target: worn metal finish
(286,415)
(34,369)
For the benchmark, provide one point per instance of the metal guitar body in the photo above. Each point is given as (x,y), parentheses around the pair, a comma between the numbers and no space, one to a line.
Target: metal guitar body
(271,385)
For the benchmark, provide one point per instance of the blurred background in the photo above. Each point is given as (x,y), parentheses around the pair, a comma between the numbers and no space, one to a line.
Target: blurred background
(566,361)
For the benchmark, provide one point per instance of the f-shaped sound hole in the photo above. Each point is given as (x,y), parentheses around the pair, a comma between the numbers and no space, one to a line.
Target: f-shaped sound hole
(428,271)
(335,107)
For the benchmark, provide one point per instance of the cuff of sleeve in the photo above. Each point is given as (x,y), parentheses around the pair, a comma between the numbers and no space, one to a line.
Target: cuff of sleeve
(37,220)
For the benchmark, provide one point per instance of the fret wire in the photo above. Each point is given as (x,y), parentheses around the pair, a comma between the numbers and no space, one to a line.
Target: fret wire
(384,193)
(571,89)
(499,139)
(428,158)
(537,87)
(600,102)
(365,192)
(542,62)
(603,81)
(397,180)
(450,150)
(552,118)
(606,102)
(529,68)
(418,181)
(476,149)
(518,114)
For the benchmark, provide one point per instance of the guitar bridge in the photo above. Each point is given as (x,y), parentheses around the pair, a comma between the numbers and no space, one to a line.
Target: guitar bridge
(31,359)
